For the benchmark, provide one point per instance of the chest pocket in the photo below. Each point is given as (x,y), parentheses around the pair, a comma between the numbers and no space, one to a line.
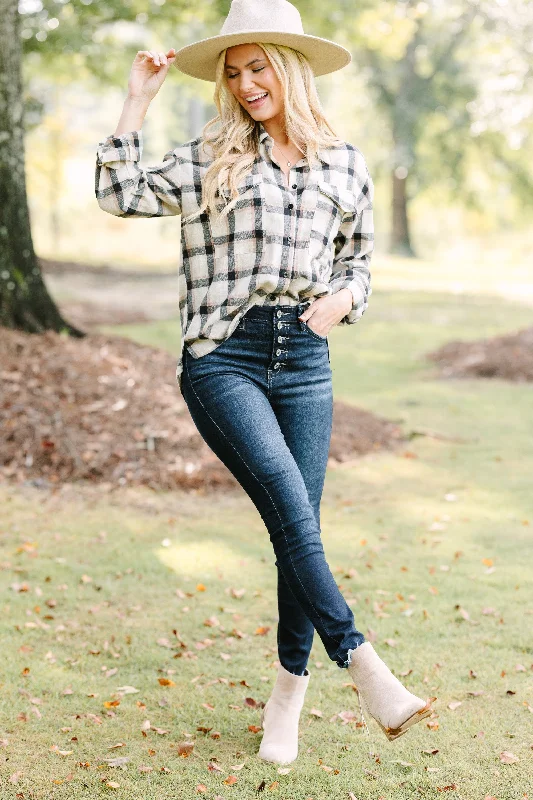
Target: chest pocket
(236,232)
(337,201)
(332,206)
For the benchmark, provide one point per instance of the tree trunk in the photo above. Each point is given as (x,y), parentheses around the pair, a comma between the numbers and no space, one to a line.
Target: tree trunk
(24,300)
(400,241)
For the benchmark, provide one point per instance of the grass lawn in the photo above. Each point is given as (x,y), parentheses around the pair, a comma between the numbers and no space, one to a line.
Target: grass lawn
(135,623)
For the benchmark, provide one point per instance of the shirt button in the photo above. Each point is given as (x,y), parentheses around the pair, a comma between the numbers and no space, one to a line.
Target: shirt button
(291,205)
(289,239)
(294,185)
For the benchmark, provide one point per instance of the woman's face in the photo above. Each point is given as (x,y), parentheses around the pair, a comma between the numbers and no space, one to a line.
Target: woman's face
(249,73)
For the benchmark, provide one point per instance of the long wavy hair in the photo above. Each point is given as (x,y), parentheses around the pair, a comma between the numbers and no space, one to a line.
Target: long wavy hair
(233,135)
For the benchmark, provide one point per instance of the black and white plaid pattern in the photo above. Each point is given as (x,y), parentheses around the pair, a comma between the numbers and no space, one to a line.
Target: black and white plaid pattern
(307,239)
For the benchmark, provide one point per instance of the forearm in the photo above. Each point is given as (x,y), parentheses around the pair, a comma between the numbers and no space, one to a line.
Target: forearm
(133,114)
(125,189)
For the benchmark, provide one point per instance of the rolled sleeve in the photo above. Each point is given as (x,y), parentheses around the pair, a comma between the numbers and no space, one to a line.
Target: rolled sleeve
(124,189)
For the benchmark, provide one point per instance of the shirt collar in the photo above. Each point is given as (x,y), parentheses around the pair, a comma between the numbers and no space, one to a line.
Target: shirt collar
(263,134)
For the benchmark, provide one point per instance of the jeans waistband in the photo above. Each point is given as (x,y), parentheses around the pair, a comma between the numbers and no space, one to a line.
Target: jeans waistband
(271,311)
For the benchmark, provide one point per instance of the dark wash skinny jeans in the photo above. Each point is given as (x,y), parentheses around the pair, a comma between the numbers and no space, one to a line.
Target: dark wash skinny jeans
(262,400)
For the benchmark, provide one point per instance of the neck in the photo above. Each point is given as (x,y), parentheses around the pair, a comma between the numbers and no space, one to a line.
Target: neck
(275,127)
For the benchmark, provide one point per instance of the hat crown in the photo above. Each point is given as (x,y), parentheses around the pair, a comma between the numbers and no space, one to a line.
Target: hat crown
(258,15)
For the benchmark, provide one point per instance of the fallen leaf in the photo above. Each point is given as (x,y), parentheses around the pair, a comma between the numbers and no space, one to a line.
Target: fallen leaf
(120,761)
(508,758)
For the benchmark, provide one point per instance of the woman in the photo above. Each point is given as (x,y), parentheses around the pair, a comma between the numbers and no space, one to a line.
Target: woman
(277,238)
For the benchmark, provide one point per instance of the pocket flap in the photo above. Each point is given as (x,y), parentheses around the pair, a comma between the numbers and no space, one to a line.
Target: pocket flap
(345,199)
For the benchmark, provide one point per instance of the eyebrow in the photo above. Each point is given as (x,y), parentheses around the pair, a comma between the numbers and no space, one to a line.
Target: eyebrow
(249,64)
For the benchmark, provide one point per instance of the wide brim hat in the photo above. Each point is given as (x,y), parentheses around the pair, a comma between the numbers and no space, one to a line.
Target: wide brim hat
(256,21)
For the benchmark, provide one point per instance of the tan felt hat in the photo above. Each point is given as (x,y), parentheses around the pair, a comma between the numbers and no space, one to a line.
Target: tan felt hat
(269,21)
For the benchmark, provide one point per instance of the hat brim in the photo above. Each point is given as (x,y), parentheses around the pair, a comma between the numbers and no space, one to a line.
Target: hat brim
(200,59)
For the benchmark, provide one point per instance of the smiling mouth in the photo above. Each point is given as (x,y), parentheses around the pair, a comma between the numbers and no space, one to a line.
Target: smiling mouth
(259,101)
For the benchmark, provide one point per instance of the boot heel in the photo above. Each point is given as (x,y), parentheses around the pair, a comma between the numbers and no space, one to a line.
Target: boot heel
(418,716)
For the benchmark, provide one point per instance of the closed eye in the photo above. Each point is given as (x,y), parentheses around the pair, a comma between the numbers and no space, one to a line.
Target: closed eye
(254,70)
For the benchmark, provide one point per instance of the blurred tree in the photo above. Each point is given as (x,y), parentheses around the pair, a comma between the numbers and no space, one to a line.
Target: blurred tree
(70,38)
(24,299)
(434,68)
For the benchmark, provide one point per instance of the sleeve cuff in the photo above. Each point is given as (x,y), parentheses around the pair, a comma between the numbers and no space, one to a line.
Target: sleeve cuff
(127,147)
(360,300)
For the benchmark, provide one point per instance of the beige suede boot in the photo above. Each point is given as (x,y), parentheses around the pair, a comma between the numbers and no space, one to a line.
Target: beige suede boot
(280,717)
(394,707)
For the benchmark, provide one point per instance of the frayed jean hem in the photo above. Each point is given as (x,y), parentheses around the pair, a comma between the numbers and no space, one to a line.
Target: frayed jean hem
(346,663)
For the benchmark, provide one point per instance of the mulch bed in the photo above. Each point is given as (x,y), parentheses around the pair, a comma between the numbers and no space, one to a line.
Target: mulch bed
(107,410)
(509,357)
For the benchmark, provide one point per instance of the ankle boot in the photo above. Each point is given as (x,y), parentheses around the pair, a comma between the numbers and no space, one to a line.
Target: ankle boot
(394,707)
(280,717)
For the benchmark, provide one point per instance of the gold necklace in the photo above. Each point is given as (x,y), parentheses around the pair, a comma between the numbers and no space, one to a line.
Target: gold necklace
(289,163)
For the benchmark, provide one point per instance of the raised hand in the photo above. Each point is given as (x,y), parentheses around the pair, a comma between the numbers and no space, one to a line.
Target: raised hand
(148,71)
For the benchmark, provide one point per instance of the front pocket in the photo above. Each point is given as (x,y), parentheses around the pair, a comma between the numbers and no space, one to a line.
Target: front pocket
(236,231)
(311,332)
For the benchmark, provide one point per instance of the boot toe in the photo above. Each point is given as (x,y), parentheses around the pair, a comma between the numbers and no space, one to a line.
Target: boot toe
(276,754)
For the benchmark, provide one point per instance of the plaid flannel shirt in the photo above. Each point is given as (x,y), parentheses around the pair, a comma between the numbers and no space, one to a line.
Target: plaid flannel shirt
(308,238)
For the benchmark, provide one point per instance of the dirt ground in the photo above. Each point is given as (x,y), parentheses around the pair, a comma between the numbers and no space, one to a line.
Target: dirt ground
(509,357)
(106,409)
(90,295)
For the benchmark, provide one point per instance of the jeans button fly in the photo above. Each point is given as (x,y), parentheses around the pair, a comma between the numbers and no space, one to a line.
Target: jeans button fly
(276,366)
(278,313)
(280,325)
(278,352)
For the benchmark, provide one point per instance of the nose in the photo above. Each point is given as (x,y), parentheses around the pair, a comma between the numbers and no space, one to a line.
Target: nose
(246,85)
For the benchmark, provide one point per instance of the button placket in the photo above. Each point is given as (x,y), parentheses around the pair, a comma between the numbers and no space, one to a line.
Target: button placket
(281,320)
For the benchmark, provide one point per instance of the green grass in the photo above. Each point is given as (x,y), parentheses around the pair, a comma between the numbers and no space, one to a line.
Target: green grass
(461,502)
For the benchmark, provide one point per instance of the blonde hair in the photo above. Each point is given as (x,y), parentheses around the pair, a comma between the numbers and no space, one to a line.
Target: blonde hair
(234,141)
